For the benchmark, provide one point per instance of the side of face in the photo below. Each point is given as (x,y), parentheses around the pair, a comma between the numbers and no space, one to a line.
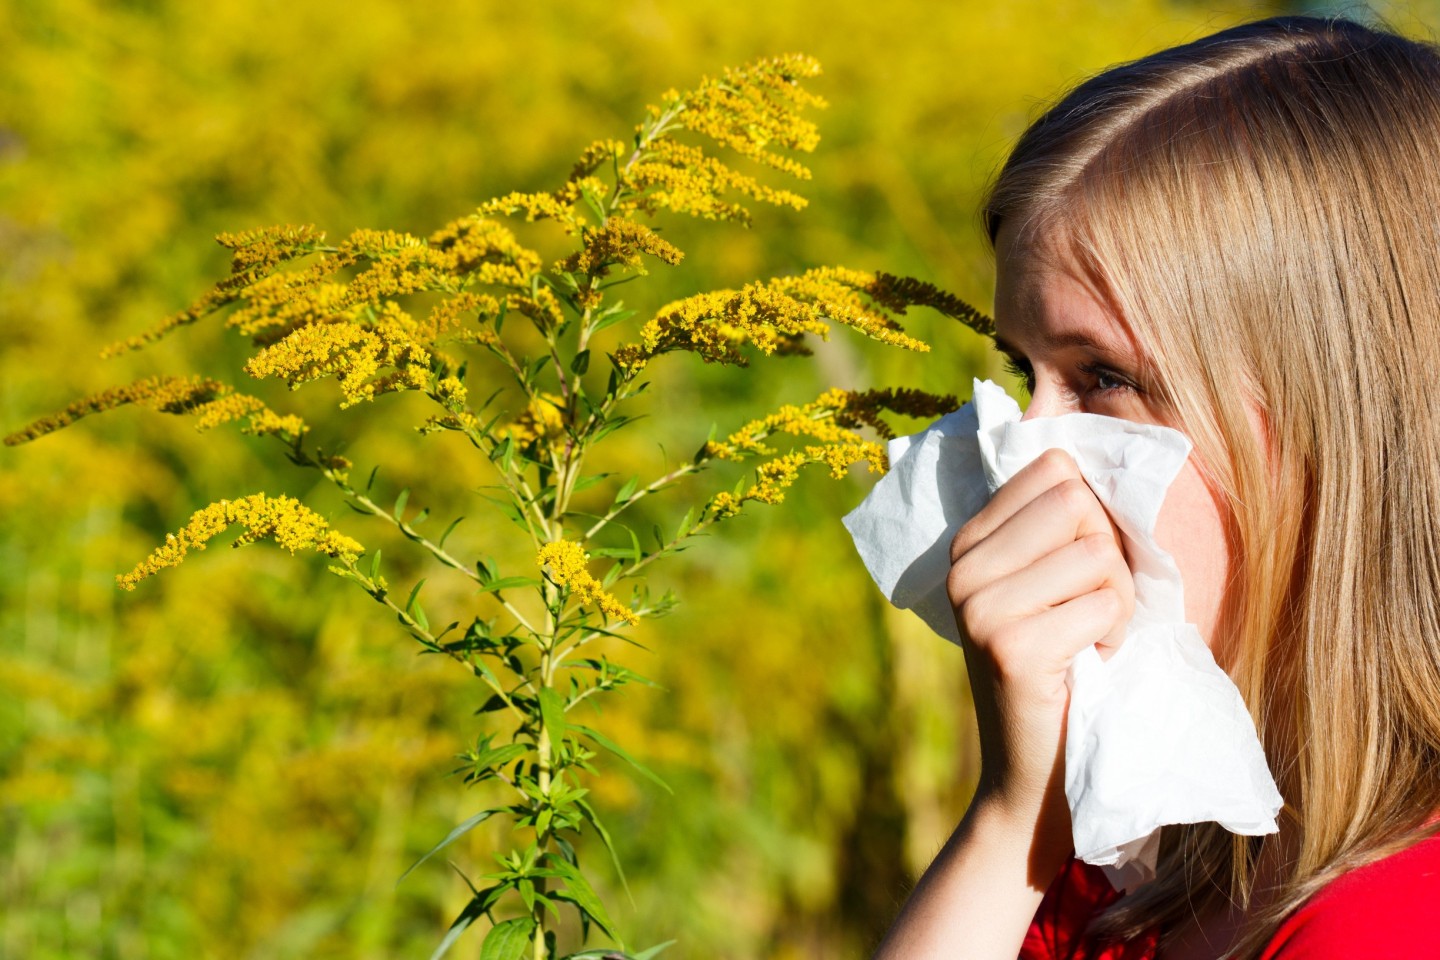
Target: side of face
(1078,356)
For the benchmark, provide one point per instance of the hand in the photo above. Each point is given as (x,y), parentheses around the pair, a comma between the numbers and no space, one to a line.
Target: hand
(1036,576)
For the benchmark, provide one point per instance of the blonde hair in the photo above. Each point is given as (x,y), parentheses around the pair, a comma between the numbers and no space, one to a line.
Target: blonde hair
(1262,208)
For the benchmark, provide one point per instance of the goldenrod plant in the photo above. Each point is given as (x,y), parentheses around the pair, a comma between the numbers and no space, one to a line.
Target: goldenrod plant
(384,312)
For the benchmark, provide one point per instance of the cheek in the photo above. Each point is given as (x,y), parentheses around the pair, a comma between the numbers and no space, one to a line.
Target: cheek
(1192,528)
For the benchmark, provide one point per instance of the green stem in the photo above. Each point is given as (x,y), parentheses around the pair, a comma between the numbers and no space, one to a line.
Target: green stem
(655,487)
(425,636)
(518,488)
(563,654)
(435,550)
(544,749)
(629,571)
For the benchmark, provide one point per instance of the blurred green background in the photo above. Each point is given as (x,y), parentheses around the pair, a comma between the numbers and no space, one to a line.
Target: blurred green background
(240,758)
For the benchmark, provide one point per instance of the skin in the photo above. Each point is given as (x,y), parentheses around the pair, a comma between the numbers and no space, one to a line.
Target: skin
(1037,576)
(1044,308)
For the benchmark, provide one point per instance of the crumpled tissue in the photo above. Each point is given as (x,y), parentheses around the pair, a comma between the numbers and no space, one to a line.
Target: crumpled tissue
(1157,734)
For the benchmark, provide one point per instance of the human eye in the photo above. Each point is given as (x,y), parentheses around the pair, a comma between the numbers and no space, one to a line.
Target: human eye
(1020,368)
(1106,381)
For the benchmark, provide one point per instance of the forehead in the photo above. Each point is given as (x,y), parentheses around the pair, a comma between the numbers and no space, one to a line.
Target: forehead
(1045,299)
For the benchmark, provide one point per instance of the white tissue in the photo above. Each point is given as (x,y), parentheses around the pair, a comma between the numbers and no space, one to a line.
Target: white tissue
(1156,735)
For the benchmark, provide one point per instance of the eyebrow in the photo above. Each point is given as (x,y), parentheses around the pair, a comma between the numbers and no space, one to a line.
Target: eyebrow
(1071,339)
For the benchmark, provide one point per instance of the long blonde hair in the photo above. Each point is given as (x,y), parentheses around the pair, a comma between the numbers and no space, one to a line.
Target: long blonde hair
(1262,207)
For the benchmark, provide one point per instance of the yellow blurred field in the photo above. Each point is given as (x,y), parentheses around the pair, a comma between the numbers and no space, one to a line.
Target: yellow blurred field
(239,759)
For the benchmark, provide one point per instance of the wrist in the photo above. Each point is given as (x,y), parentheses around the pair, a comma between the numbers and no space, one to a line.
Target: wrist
(1037,833)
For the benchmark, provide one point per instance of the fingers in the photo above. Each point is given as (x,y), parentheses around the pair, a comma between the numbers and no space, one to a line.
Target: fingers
(1043,541)
(1047,471)
(1092,563)
(1065,513)
(1040,648)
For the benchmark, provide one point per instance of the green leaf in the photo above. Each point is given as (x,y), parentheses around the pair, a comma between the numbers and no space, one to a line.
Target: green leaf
(371,482)
(594,820)
(581,363)
(375,566)
(685,524)
(452,836)
(496,702)
(482,668)
(410,604)
(400,502)
(579,892)
(610,551)
(605,953)
(609,318)
(616,749)
(509,940)
(508,583)
(552,714)
(448,530)
(609,427)
(627,490)
(469,915)
(497,757)
(594,204)
(502,449)
(585,483)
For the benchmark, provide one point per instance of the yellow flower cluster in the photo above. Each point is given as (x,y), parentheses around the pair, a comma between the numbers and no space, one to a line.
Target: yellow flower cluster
(462,421)
(210,401)
(451,392)
(275,305)
(269,246)
(350,352)
(450,314)
(379,244)
(816,420)
(483,251)
(619,243)
(828,419)
(339,465)
(772,316)
(543,309)
(898,293)
(565,562)
(406,271)
(540,420)
(257,285)
(594,156)
(716,325)
(854,408)
(754,108)
(283,302)
(776,476)
(535,206)
(680,177)
(285,520)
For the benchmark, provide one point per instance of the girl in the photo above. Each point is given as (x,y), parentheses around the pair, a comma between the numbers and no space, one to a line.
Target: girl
(1240,238)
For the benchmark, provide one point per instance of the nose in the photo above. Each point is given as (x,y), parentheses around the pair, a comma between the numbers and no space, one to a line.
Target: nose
(1044,402)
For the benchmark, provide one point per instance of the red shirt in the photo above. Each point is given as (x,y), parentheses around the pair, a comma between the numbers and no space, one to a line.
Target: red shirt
(1387,910)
